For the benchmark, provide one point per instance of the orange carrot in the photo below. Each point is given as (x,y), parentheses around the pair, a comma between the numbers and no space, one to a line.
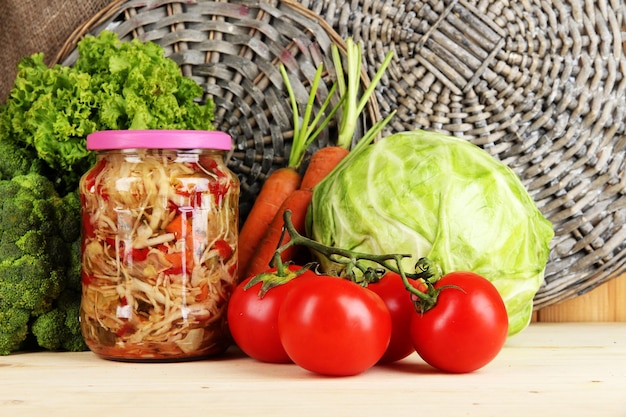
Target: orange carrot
(276,188)
(282,182)
(298,203)
(322,163)
(326,159)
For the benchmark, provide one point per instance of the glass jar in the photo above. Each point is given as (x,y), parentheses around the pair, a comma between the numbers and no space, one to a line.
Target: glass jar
(159,244)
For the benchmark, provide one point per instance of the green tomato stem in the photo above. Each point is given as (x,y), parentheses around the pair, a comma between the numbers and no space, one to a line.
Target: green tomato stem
(425,270)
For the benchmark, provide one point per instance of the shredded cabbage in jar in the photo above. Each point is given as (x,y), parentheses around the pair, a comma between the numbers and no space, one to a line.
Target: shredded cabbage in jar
(159,254)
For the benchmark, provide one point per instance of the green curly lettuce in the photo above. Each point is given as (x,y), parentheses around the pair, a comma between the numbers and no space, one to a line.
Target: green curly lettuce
(113,85)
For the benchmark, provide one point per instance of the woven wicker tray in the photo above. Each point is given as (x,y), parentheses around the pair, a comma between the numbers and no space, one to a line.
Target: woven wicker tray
(538,84)
(541,85)
(233,49)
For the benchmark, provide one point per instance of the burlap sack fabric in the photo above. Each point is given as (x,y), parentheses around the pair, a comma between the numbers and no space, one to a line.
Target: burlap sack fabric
(29,26)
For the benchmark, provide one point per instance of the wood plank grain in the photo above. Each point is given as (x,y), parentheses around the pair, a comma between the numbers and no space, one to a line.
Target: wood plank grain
(605,303)
(574,369)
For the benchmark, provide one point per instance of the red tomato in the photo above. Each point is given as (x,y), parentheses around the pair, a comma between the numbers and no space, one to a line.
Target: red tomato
(332,326)
(399,303)
(253,321)
(467,327)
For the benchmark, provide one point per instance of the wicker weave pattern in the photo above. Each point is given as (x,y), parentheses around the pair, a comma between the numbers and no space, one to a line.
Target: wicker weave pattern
(538,84)
(232,49)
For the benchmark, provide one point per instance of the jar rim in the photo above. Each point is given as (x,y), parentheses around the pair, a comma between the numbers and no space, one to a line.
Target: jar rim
(159,139)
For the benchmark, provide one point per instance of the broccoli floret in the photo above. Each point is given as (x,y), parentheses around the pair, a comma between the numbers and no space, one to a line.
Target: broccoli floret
(39,264)
(59,328)
(13,327)
(31,283)
(17,160)
(74,267)
(69,214)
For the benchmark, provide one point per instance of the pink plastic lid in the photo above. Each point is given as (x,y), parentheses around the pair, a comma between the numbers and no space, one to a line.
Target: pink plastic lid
(159,139)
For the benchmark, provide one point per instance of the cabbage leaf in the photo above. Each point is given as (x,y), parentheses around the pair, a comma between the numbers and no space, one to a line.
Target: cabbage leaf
(431,195)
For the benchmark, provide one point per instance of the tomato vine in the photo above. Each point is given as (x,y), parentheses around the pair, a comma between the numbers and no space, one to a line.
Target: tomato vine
(357,270)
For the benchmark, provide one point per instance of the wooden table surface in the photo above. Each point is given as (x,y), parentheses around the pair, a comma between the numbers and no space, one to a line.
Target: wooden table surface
(550,369)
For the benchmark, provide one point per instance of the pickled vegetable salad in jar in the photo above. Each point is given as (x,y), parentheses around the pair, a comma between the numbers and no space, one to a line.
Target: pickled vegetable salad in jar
(159,244)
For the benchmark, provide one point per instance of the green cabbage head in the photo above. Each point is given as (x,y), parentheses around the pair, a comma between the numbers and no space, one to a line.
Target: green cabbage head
(444,198)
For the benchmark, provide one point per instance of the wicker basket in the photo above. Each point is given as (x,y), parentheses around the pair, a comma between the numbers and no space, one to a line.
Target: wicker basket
(233,49)
(538,84)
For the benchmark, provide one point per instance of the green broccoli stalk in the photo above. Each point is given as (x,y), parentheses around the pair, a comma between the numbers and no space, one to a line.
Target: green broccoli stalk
(39,289)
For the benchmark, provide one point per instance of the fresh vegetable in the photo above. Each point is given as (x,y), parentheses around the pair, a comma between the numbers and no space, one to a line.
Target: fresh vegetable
(439,197)
(39,277)
(349,88)
(384,280)
(277,187)
(113,85)
(465,329)
(333,326)
(457,323)
(253,312)
(326,159)
(321,164)
(59,328)
(391,289)
(298,203)
(281,183)
(16,160)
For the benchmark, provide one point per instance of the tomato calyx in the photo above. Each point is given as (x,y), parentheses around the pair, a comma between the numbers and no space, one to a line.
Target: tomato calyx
(426,298)
(425,295)
(275,277)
